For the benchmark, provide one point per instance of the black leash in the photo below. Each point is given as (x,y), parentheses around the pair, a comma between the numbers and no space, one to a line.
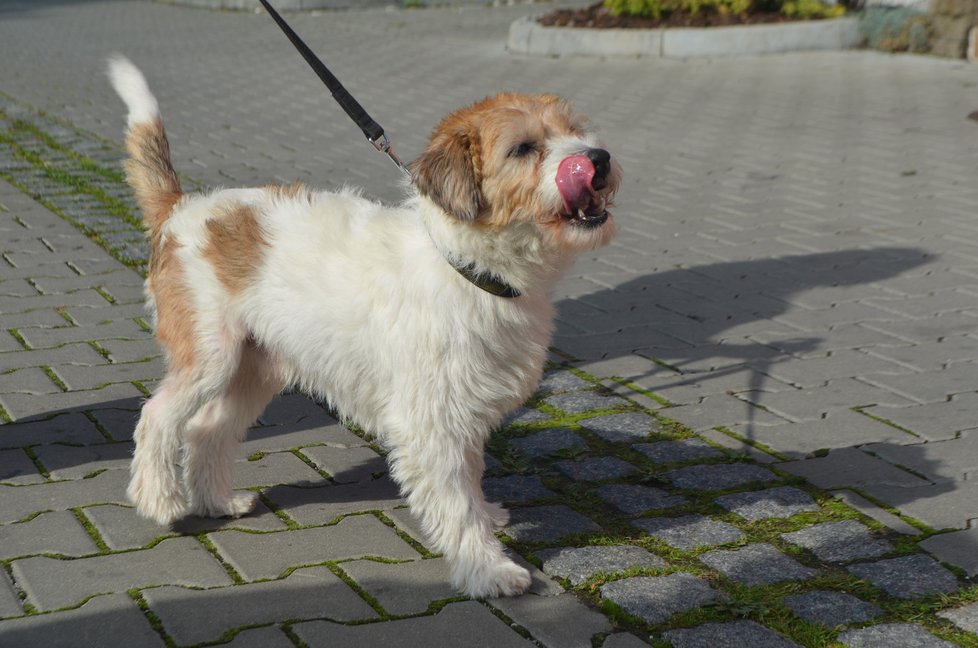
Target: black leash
(370,128)
(375,134)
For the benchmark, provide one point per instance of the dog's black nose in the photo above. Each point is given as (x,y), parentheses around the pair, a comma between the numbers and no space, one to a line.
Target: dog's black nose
(601,159)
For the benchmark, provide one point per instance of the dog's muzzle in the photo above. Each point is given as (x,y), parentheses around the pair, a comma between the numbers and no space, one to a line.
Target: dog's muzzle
(579,179)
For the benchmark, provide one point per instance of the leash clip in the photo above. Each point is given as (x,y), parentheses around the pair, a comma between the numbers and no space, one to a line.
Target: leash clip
(383,144)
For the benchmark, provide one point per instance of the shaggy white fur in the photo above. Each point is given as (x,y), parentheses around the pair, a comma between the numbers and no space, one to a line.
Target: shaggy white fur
(255,290)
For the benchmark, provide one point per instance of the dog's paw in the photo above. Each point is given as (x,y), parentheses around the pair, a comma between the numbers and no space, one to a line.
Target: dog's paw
(154,505)
(497,514)
(240,503)
(501,578)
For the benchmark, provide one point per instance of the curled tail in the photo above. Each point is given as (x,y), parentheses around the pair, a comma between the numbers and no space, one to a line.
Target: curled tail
(148,169)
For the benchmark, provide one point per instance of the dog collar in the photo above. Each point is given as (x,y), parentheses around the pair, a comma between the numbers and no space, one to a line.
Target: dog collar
(486,281)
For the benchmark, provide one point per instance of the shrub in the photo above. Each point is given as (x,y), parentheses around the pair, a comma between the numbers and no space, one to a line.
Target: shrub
(802,9)
(895,30)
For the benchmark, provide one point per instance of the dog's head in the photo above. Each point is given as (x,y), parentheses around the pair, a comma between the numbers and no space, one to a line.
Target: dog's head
(512,160)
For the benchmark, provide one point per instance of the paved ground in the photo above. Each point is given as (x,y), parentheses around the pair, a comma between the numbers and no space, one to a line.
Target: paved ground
(759,425)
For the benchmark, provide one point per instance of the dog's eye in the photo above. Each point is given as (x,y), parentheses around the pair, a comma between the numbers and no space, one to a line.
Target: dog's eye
(522,149)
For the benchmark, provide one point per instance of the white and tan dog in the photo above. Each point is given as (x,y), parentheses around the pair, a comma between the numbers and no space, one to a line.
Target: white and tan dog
(255,290)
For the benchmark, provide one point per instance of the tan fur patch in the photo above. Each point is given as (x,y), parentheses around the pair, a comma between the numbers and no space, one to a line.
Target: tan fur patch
(150,173)
(235,245)
(289,191)
(174,312)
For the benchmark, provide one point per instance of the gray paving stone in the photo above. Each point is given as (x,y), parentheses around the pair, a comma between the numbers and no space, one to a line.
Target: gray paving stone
(718,476)
(831,609)
(577,564)
(596,468)
(634,499)
(525,415)
(16,468)
(681,450)
(655,599)
(51,583)
(878,513)
(577,402)
(121,528)
(348,465)
(16,502)
(403,588)
(546,523)
(839,541)
(722,410)
(840,429)
(267,637)
(756,564)
(277,438)
(631,426)
(561,381)
(554,620)
(850,467)
(466,624)
(907,577)
(887,635)
(780,502)
(516,489)
(689,531)
(118,423)
(58,532)
(933,421)
(623,640)
(23,407)
(406,521)
(31,380)
(267,555)
(72,462)
(965,617)
(293,409)
(311,506)
(72,427)
(735,633)
(273,469)
(194,616)
(9,601)
(956,548)
(548,442)
(113,621)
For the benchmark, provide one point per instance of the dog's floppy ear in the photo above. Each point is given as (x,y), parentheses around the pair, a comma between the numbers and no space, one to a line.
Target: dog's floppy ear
(447,172)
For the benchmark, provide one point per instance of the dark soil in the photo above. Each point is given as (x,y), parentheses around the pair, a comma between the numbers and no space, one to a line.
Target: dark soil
(596,16)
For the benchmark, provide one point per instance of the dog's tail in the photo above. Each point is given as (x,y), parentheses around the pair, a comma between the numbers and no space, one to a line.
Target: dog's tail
(148,168)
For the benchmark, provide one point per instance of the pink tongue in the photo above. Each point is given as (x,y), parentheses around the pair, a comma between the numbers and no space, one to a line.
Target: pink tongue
(574,181)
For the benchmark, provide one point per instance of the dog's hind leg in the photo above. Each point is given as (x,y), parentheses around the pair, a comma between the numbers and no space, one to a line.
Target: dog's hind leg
(214,434)
(441,476)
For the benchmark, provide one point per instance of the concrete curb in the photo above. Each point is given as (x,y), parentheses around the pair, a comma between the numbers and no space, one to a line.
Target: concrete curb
(526,36)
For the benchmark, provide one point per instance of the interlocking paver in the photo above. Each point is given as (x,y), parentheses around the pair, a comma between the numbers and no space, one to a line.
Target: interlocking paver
(457,624)
(114,621)
(17,468)
(9,601)
(51,583)
(16,502)
(193,616)
(264,555)
(561,620)
(58,532)
(72,462)
(348,464)
(322,505)
(403,588)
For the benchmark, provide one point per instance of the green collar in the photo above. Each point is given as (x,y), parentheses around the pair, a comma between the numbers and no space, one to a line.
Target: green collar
(486,281)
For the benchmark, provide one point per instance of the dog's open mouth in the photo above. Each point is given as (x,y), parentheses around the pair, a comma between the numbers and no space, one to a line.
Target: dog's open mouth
(583,206)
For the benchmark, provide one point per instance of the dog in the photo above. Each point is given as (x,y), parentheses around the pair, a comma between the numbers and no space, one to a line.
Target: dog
(424,323)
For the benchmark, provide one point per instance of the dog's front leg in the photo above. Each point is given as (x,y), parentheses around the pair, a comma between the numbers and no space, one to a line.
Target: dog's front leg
(441,475)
